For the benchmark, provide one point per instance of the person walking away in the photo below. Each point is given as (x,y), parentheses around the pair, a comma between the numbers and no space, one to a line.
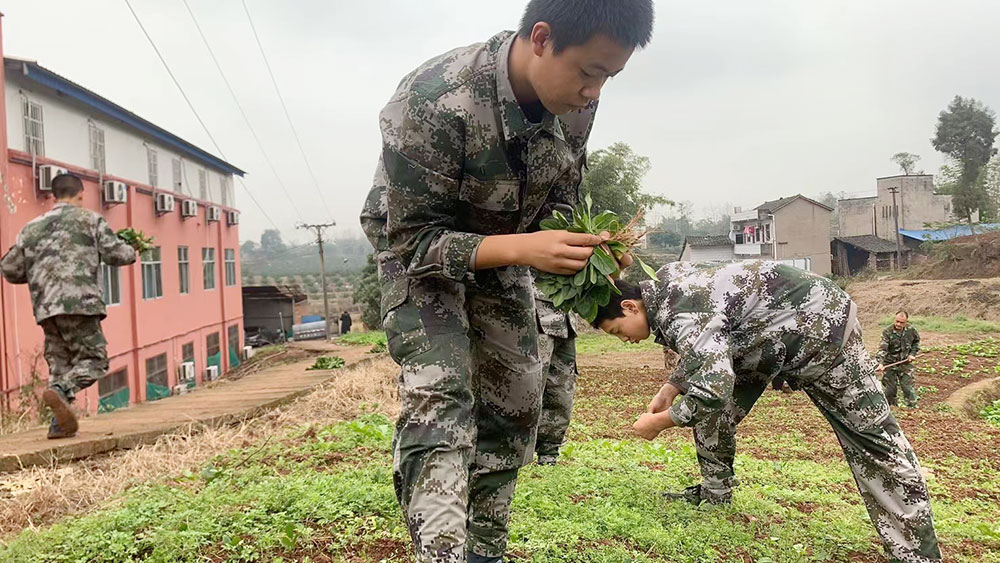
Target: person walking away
(59,255)
(345,323)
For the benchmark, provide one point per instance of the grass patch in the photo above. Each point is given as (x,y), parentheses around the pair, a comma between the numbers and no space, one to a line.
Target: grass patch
(949,325)
(602,343)
(370,338)
(991,413)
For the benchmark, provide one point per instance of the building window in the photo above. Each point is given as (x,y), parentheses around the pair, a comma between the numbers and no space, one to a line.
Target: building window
(203,184)
(212,347)
(183,269)
(230,258)
(157,385)
(153,167)
(111,284)
(34,137)
(224,190)
(97,161)
(152,279)
(178,175)
(208,267)
(113,391)
(233,337)
(187,352)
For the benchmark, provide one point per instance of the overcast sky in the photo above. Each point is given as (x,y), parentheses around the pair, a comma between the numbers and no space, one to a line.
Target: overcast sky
(734,102)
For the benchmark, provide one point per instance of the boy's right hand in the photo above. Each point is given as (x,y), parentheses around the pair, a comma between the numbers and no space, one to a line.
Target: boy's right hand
(557,252)
(663,399)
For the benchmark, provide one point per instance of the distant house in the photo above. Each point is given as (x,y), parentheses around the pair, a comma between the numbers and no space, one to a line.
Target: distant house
(707,248)
(794,229)
(272,309)
(916,201)
(852,255)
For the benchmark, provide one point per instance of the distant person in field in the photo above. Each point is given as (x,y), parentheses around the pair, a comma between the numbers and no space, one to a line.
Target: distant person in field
(59,255)
(737,326)
(900,345)
(345,322)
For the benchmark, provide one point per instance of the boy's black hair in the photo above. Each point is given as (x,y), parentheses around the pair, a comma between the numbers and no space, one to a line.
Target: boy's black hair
(65,186)
(574,22)
(613,309)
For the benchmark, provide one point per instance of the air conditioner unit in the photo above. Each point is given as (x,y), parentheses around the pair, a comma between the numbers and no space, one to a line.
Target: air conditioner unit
(248,352)
(46,173)
(189,208)
(115,192)
(212,214)
(232,218)
(164,203)
(211,373)
(180,389)
(186,371)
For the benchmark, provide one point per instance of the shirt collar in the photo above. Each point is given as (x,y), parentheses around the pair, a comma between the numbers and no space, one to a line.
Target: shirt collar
(515,123)
(651,299)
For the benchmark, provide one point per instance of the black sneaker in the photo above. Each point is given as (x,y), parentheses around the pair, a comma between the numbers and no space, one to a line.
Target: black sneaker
(547,459)
(64,424)
(695,496)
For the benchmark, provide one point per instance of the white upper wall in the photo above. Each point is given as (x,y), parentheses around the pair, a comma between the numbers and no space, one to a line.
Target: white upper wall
(66,127)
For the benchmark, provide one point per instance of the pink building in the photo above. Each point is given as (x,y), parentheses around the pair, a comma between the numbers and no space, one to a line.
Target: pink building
(175,316)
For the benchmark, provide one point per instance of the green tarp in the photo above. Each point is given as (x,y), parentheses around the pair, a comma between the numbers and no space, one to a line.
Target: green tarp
(234,358)
(154,391)
(116,400)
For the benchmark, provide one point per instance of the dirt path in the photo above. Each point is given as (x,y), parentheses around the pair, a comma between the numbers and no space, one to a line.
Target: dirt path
(217,404)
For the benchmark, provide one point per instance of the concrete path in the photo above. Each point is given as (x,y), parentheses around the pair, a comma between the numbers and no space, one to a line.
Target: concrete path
(217,404)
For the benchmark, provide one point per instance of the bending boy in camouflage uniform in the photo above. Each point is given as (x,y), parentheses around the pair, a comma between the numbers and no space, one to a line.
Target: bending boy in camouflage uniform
(59,255)
(736,327)
(478,145)
(900,343)
(557,354)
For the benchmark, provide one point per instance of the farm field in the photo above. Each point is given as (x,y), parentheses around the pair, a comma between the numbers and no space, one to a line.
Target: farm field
(322,490)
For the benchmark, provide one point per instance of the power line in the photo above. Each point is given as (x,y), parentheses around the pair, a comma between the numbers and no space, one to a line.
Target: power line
(195,112)
(285,109)
(239,106)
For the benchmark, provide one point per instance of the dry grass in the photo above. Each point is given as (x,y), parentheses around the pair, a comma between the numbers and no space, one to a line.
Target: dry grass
(37,496)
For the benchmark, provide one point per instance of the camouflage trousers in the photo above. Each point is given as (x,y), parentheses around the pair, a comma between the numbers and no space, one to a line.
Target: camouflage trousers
(470,389)
(884,465)
(558,358)
(896,378)
(76,352)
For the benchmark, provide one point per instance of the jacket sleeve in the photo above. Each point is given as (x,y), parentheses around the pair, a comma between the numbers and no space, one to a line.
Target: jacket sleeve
(883,347)
(915,344)
(113,250)
(703,343)
(13,265)
(422,155)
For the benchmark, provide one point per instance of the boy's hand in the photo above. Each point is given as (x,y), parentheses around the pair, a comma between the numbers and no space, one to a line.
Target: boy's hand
(557,252)
(663,399)
(650,425)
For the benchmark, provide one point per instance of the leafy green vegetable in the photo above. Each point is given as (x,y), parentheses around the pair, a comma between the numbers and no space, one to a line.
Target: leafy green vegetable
(327,362)
(137,239)
(591,287)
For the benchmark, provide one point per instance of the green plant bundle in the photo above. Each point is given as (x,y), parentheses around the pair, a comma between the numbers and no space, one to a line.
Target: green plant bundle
(137,239)
(591,287)
(327,362)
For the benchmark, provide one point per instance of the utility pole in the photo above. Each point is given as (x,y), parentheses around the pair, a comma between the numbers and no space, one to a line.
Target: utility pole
(319,228)
(895,216)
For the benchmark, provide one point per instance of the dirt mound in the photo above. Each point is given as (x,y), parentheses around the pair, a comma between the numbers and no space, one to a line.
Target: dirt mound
(973,256)
(973,298)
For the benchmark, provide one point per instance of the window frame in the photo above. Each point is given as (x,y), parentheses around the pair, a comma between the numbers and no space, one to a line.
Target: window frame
(98,148)
(115,284)
(155,269)
(33,144)
(208,268)
(184,269)
(229,259)
(152,167)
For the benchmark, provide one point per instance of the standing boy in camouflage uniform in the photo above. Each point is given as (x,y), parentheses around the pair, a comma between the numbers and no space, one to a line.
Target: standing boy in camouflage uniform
(59,256)
(557,354)
(478,144)
(739,325)
(900,343)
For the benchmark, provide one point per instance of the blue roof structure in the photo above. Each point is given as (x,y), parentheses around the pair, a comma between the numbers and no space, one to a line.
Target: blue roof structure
(41,75)
(948,233)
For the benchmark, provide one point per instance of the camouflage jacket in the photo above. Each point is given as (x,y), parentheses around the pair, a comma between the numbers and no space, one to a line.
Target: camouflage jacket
(552,321)
(743,320)
(898,344)
(59,256)
(460,161)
